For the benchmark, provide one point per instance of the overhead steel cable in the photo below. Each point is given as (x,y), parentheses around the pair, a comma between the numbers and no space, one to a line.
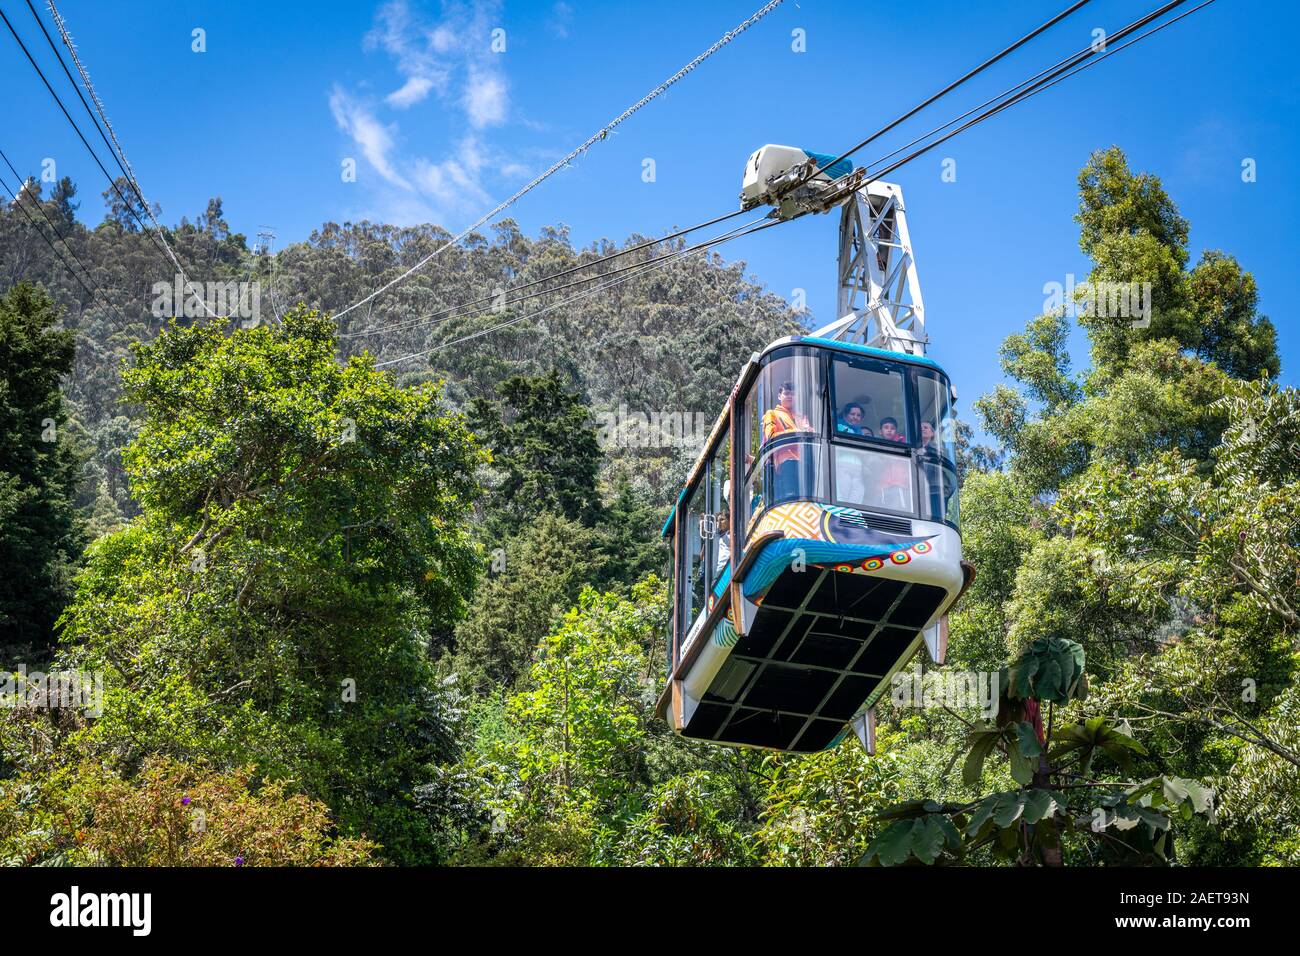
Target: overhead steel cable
(627,272)
(1046,79)
(572,269)
(731,215)
(73,123)
(999,97)
(573,154)
(156,234)
(89,112)
(451,313)
(98,297)
(41,207)
(1006,51)
(1040,82)
(115,147)
(620,276)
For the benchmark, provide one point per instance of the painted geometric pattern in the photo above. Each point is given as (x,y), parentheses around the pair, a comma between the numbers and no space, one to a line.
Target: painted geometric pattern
(799,519)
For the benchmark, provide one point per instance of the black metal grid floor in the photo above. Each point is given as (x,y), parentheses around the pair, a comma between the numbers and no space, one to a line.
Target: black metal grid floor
(819,647)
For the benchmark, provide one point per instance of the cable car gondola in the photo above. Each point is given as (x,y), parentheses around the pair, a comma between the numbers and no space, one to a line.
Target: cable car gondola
(816,545)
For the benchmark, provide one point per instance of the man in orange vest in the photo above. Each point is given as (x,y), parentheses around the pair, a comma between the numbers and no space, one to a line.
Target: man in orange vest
(780,420)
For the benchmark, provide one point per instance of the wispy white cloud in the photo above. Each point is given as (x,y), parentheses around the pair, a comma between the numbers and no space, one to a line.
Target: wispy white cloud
(455,183)
(374,138)
(451,57)
(411,92)
(447,60)
(485,98)
(397,34)
(560,19)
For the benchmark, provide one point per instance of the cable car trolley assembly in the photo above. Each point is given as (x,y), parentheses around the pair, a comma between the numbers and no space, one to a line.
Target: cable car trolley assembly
(816,545)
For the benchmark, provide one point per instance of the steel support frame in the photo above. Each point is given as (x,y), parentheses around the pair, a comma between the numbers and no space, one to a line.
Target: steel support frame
(879,301)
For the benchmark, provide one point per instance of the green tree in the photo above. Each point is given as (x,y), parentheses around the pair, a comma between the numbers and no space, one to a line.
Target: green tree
(1068,802)
(1133,232)
(1142,518)
(40,532)
(567,761)
(303,533)
(123,207)
(532,580)
(544,451)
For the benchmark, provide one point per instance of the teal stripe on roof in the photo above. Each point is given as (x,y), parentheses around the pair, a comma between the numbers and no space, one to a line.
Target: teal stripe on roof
(841,167)
(884,354)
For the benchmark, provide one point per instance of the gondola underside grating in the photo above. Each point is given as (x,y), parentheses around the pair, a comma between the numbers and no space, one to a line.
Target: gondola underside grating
(819,647)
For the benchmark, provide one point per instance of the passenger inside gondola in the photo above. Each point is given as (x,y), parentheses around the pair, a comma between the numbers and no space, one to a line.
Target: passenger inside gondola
(937,462)
(785,418)
(723,531)
(850,420)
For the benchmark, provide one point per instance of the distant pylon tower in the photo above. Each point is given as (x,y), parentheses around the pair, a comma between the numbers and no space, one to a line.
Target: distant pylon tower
(265,239)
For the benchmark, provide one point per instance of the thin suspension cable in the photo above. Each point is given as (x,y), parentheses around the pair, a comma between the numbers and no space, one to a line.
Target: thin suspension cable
(77,129)
(18,202)
(115,147)
(609,283)
(96,297)
(449,313)
(582,265)
(994,99)
(912,112)
(600,134)
(639,269)
(636,268)
(949,88)
(77,89)
(22,183)
(1054,77)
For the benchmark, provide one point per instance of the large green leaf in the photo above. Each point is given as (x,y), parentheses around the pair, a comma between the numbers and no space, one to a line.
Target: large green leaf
(1022,767)
(1049,669)
(922,839)
(1040,804)
(1093,734)
(1027,741)
(982,742)
(1000,811)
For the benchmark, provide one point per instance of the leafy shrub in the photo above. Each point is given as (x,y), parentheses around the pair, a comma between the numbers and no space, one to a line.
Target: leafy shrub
(173,814)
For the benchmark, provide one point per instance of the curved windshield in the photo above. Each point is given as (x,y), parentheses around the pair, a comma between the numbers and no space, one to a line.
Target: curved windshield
(937,480)
(785,417)
(937,460)
(938,425)
(882,436)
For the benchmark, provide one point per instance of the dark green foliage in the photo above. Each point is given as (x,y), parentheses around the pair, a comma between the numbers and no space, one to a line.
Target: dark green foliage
(40,532)
(544,452)
(533,578)
(303,533)
(286,556)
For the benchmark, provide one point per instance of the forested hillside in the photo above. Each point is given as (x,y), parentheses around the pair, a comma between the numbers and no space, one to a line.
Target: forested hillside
(348,612)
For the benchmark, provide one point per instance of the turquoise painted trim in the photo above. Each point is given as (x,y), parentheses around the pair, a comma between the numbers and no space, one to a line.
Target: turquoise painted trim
(672,514)
(883,354)
(841,168)
(778,556)
(723,581)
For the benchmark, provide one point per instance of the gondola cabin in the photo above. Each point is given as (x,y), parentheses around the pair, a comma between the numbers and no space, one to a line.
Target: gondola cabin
(816,546)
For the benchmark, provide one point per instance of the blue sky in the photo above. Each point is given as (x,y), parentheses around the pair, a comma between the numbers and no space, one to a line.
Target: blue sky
(441,128)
